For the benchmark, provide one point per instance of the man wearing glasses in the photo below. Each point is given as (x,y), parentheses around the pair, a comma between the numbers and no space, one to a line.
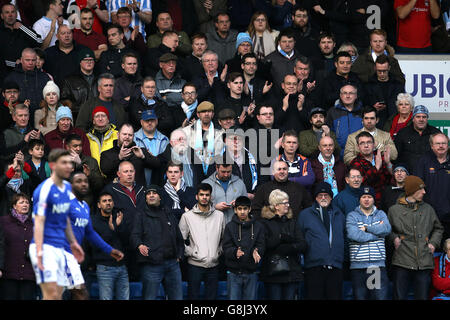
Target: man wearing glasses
(374,165)
(345,117)
(323,226)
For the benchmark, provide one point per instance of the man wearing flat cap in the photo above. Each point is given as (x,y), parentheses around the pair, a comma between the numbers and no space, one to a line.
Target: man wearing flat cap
(169,83)
(204,138)
(159,246)
(226,118)
(416,234)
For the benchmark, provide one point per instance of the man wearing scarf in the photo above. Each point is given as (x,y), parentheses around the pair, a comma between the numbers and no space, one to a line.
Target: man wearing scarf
(205,140)
(176,195)
(328,167)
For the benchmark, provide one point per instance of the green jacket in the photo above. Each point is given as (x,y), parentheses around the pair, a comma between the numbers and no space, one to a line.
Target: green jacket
(417,225)
(184,46)
(308,145)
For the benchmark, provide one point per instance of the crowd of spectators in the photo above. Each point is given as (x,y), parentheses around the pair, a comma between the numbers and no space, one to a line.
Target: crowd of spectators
(237,141)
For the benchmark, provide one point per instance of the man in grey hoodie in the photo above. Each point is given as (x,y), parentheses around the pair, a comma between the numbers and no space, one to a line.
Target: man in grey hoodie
(222,40)
(226,187)
(203,228)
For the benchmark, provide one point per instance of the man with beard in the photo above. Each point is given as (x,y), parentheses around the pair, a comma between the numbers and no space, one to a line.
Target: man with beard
(305,36)
(178,151)
(203,228)
(324,63)
(82,227)
(86,36)
(309,139)
(125,149)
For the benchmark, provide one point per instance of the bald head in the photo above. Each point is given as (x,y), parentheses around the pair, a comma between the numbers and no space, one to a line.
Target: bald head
(326,147)
(126,173)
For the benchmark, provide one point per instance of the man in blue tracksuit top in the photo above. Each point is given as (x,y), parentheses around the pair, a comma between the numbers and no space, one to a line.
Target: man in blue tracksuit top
(79,215)
(323,226)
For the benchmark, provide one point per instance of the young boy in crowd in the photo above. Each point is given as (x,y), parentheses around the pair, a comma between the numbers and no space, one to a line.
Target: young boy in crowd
(243,246)
(37,160)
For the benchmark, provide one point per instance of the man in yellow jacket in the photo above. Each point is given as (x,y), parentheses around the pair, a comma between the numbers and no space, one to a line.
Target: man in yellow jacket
(103,133)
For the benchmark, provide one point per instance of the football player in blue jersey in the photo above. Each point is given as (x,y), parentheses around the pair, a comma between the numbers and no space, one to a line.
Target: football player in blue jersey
(51,206)
(82,227)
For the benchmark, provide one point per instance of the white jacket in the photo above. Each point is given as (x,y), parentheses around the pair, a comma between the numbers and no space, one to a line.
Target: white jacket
(205,233)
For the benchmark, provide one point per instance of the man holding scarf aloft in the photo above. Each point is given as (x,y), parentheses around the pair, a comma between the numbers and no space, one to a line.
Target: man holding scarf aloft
(205,140)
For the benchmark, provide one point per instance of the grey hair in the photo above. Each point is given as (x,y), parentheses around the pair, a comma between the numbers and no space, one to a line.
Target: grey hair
(405,96)
(276,197)
(209,52)
(105,75)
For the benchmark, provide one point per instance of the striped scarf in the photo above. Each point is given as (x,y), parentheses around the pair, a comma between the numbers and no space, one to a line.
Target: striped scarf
(173,193)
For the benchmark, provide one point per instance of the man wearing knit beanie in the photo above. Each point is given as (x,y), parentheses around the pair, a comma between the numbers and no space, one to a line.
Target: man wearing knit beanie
(64,128)
(244,45)
(414,184)
(416,233)
(412,142)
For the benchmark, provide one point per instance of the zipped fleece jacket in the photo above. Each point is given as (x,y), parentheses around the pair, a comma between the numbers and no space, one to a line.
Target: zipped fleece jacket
(367,247)
(417,225)
(204,230)
(236,188)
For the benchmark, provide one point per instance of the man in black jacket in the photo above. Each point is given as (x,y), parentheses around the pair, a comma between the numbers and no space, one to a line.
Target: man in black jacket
(160,247)
(30,80)
(108,223)
(243,247)
(412,142)
(125,149)
(15,36)
(329,89)
(81,86)
(111,60)
(382,89)
(299,197)
(61,59)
